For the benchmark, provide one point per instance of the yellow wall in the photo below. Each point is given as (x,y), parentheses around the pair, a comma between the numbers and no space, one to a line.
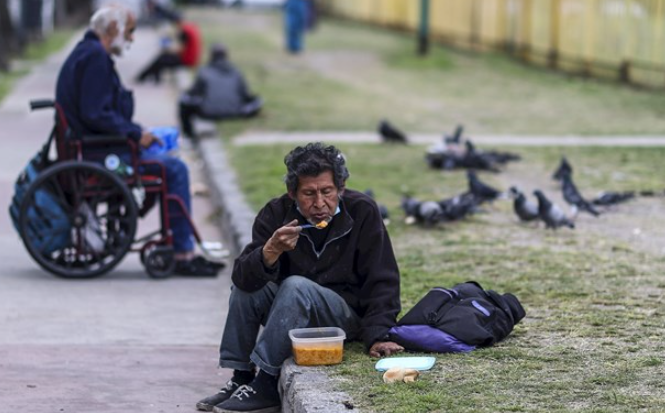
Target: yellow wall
(594,36)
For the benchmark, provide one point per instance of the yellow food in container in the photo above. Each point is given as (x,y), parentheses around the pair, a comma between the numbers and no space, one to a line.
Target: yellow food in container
(318,346)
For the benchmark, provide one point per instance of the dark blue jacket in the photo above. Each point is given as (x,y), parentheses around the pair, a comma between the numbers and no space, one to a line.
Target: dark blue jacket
(90,92)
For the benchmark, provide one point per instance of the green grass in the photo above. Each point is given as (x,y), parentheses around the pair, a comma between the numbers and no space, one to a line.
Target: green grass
(593,339)
(352,75)
(35,52)
(7,81)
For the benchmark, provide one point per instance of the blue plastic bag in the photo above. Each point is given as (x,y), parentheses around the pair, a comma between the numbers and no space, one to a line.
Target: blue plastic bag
(169,137)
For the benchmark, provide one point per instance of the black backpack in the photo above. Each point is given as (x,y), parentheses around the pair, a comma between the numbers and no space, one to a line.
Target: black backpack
(466,312)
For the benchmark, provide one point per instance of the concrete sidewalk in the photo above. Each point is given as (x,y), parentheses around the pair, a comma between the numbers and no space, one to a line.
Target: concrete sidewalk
(267,138)
(119,343)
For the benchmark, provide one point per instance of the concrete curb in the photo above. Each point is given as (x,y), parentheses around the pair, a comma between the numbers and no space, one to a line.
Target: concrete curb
(303,389)
(235,216)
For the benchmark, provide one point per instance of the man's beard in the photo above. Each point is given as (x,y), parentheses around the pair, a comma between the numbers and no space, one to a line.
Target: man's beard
(119,44)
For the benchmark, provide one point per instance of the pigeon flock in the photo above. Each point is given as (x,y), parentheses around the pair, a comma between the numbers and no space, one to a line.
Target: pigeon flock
(455,152)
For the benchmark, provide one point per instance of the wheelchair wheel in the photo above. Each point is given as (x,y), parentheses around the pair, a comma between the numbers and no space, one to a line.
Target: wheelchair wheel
(159,262)
(78,220)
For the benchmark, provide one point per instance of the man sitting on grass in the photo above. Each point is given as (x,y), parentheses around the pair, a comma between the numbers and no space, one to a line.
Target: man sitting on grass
(219,92)
(344,275)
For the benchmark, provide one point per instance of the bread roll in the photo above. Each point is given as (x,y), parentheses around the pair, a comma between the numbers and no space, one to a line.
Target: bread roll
(394,374)
(399,374)
(410,375)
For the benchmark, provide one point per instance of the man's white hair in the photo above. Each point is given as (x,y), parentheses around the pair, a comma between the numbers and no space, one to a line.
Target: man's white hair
(102,19)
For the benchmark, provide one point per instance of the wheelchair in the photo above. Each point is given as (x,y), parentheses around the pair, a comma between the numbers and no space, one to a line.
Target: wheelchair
(78,219)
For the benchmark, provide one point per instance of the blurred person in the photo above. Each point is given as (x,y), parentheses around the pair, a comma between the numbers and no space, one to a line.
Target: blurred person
(289,276)
(219,92)
(186,54)
(295,23)
(161,10)
(312,15)
(95,103)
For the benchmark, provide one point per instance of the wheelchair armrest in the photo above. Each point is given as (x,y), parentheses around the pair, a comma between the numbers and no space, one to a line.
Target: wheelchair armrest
(41,104)
(92,140)
(95,143)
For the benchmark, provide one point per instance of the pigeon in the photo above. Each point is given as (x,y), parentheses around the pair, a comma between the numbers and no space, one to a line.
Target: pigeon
(525,210)
(455,138)
(474,159)
(480,190)
(390,134)
(440,159)
(564,169)
(613,198)
(573,196)
(551,214)
(427,212)
(500,157)
(383,210)
(459,206)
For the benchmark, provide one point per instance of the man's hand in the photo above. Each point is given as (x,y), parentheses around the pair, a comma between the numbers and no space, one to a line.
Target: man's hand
(384,348)
(284,239)
(148,138)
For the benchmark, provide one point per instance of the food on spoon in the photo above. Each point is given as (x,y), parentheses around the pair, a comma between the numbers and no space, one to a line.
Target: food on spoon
(321,225)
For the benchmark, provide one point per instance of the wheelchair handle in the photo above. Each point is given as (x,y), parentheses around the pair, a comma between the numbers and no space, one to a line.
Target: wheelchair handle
(41,104)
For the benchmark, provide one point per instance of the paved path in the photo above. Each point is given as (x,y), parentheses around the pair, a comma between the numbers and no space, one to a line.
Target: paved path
(119,343)
(260,138)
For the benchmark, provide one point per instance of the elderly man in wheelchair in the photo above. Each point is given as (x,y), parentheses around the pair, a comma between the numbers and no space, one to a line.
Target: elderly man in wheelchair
(77,218)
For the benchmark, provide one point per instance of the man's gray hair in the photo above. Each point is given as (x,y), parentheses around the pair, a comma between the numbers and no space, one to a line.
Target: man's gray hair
(312,160)
(102,19)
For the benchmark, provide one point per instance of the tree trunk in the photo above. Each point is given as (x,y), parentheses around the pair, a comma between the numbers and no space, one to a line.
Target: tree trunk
(78,11)
(6,35)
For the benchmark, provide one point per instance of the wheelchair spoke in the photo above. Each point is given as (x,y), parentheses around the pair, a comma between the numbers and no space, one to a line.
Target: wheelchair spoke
(59,195)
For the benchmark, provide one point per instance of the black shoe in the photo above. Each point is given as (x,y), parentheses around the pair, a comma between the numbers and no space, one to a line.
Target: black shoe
(223,395)
(248,400)
(198,266)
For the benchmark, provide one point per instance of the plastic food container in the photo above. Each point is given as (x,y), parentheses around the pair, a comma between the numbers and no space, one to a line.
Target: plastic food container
(318,346)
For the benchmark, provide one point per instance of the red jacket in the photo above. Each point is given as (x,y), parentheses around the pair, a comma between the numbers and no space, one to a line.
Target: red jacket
(191,44)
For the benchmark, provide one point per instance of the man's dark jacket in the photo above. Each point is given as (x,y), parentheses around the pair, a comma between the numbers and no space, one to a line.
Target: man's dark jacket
(356,260)
(90,93)
(222,90)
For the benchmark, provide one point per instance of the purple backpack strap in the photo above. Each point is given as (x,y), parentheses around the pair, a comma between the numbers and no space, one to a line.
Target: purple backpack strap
(428,339)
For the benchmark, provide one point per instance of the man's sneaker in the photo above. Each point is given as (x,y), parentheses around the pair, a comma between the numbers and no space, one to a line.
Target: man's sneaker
(198,266)
(248,400)
(223,395)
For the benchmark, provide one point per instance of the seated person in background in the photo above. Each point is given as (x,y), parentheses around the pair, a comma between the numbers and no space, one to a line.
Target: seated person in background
(187,53)
(219,92)
(344,275)
(95,103)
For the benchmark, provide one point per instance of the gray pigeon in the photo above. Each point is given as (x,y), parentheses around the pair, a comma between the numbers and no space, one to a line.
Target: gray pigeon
(613,198)
(459,206)
(551,214)
(564,169)
(525,210)
(573,196)
(390,134)
(427,212)
(481,190)
(383,210)
(456,137)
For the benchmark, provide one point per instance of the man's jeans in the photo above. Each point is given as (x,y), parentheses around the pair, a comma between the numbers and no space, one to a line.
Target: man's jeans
(296,303)
(177,183)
